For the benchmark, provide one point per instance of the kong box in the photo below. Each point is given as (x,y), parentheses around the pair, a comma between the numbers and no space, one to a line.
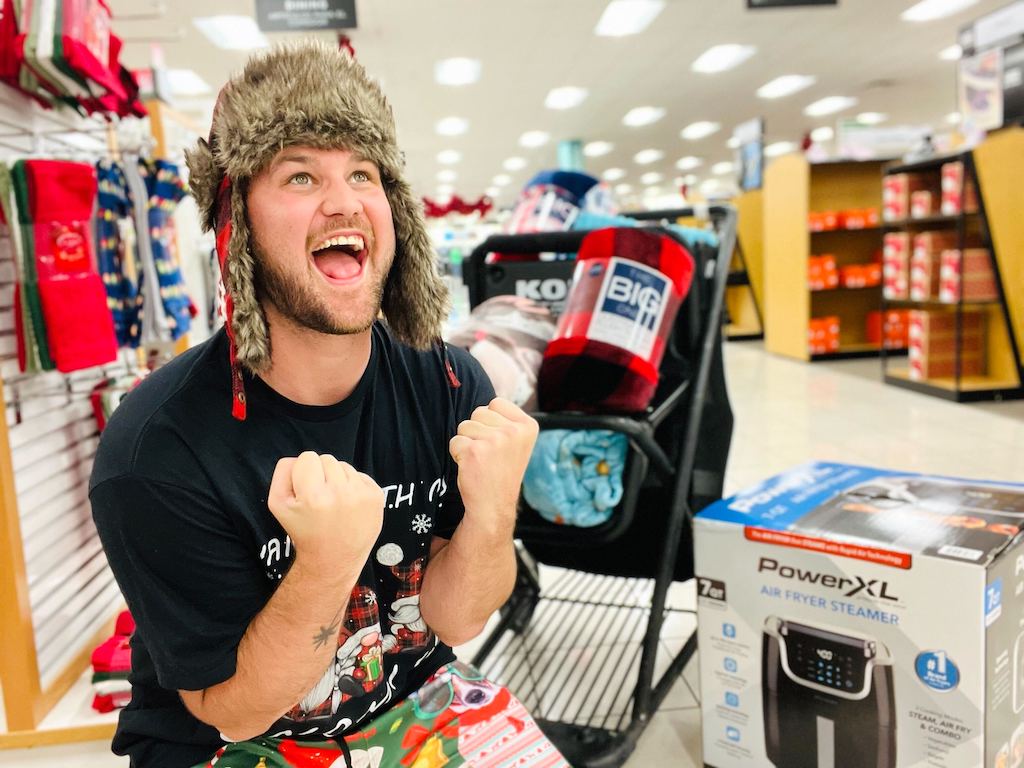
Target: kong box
(850,616)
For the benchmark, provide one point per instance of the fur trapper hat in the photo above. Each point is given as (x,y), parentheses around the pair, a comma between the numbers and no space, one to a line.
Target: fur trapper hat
(309,94)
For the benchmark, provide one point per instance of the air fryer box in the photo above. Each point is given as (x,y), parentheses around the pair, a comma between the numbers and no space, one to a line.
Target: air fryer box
(851,617)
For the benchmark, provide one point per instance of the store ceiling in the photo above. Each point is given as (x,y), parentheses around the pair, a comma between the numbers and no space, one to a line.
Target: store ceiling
(527,47)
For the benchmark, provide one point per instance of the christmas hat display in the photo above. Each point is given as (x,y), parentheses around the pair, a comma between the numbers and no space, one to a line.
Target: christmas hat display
(626,291)
(111,665)
(79,327)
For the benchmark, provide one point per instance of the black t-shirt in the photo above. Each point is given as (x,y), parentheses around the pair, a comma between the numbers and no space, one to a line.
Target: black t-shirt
(179,496)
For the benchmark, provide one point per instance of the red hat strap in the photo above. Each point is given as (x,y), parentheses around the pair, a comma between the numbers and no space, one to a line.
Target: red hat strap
(238,409)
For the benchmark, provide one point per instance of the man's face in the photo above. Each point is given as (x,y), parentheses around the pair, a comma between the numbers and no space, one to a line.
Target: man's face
(323,238)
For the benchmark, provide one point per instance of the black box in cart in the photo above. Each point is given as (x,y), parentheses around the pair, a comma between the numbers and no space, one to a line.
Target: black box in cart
(851,617)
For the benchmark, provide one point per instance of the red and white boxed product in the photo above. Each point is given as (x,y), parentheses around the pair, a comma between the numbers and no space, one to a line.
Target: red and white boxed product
(922,204)
(953,191)
(889,329)
(860,275)
(822,272)
(858,218)
(925,263)
(823,221)
(934,340)
(896,191)
(967,275)
(823,335)
(896,265)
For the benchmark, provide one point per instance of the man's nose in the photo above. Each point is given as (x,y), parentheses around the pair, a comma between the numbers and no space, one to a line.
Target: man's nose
(341,200)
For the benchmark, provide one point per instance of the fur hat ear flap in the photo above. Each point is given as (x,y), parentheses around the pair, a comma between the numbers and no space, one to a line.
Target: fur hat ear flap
(204,176)
(415,297)
(252,338)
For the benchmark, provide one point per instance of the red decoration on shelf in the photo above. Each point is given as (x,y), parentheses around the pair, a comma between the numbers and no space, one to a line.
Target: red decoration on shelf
(456,205)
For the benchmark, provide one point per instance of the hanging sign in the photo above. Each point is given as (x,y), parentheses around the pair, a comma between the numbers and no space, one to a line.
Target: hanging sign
(755,4)
(305,15)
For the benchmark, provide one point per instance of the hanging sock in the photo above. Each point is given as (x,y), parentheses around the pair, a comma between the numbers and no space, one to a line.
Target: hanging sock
(79,327)
(154,326)
(28,351)
(165,192)
(29,285)
(115,251)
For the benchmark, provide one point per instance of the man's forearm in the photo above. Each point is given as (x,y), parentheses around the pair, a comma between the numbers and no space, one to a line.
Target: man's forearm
(284,652)
(470,578)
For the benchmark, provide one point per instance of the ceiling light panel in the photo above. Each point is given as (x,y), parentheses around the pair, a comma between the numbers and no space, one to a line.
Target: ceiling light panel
(688,163)
(533,139)
(598,148)
(872,118)
(452,126)
(457,71)
(720,169)
(613,174)
(641,116)
(930,10)
(232,33)
(952,53)
(514,164)
(185,82)
(447,175)
(449,157)
(786,85)
(628,17)
(501,180)
(722,58)
(648,156)
(829,106)
(699,130)
(824,133)
(651,178)
(567,97)
(779,148)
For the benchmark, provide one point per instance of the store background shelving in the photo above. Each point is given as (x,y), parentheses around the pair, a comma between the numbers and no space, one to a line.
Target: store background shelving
(744,296)
(793,189)
(996,167)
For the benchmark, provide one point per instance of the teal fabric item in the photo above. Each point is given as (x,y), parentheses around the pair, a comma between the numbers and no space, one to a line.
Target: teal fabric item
(575,476)
(690,235)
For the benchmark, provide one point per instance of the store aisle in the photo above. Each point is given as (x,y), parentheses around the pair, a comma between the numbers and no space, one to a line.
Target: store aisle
(786,412)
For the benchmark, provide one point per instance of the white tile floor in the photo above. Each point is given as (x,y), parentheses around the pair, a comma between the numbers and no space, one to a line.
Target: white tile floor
(786,413)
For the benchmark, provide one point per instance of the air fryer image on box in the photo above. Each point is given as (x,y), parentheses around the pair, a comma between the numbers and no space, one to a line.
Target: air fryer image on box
(828,697)
(944,518)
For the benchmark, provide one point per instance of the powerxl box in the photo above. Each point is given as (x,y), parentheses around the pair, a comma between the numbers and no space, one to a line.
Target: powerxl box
(851,617)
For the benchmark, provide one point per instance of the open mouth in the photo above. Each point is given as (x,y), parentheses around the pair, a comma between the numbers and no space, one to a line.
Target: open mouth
(341,257)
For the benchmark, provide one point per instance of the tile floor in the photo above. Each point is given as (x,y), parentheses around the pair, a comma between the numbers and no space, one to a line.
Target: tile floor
(786,413)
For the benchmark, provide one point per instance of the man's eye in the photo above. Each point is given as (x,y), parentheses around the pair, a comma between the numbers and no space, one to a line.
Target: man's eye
(360,176)
(300,179)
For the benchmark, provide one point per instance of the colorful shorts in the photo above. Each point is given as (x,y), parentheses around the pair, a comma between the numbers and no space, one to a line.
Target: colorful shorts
(456,718)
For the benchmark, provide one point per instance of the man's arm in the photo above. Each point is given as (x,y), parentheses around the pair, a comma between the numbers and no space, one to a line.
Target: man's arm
(471,576)
(334,515)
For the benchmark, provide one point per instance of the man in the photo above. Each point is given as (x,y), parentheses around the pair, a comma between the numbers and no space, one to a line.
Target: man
(306,512)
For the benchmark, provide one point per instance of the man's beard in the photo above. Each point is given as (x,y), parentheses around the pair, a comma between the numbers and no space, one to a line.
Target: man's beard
(296,299)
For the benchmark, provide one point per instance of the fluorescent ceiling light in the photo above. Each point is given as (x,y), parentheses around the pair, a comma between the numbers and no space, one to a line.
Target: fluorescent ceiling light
(566,97)
(688,163)
(445,190)
(452,126)
(598,148)
(185,82)
(514,164)
(733,143)
(448,157)
(872,118)
(651,178)
(640,116)
(652,191)
(501,180)
(648,156)
(492,191)
(824,133)
(690,179)
(829,105)
(457,71)
(447,175)
(699,130)
(533,139)
(779,148)
(786,85)
(929,10)
(623,189)
(953,118)
(952,53)
(721,58)
(627,17)
(232,33)
(722,168)
(710,186)
(613,174)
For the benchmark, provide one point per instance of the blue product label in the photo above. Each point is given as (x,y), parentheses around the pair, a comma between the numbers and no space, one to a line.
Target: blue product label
(993,601)
(630,307)
(936,670)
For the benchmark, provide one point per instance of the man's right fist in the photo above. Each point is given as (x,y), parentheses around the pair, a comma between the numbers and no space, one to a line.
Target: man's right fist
(331,512)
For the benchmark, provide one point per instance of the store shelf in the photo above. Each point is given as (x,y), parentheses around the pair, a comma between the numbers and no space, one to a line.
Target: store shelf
(936,304)
(838,288)
(850,351)
(846,230)
(738,278)
(969,388)
(745,288)
(931,164)
(929,221)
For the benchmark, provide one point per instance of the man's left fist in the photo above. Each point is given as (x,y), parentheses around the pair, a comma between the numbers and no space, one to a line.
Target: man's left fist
(492,449)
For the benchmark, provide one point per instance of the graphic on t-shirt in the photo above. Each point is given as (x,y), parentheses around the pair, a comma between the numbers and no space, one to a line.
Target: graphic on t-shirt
(407,630)
(358,665)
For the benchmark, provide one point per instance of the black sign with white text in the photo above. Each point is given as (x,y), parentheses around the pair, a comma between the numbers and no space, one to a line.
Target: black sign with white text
(755,4)
(303,15)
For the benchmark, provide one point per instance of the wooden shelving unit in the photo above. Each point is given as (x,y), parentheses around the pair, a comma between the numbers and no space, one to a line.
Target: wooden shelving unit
(744,294)
(794,188)
(996,167)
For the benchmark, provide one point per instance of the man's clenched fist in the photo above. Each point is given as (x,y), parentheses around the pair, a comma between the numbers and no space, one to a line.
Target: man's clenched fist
(492,449)
(330,511)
